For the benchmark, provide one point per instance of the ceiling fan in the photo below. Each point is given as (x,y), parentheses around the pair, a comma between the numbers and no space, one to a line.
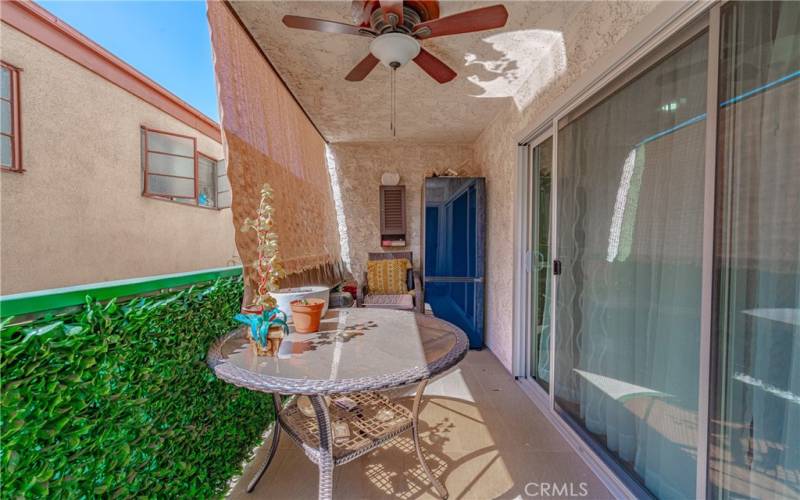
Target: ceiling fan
(398,26)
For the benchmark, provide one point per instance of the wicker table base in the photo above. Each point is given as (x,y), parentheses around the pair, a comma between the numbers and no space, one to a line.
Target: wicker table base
(367,432)
(367,429)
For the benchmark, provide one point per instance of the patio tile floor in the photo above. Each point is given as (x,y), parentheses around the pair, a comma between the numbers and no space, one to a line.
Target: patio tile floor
(482,435)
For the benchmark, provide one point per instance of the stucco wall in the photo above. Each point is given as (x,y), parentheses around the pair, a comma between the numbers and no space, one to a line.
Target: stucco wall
(593,28)
(359,167)
(77,215)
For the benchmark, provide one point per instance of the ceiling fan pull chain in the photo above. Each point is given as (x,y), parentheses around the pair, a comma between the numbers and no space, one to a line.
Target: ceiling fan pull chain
(393,125)
(394,102)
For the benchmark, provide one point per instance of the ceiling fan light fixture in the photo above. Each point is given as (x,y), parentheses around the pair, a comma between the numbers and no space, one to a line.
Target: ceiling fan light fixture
(394,49)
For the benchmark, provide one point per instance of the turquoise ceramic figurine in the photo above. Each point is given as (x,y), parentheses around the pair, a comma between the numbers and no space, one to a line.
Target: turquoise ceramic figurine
(260,325)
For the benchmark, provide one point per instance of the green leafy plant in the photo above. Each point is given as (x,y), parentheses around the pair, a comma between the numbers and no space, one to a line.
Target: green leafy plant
(117,400)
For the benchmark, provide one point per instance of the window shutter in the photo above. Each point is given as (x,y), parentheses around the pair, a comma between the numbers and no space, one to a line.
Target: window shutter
(223,185)
(393,210)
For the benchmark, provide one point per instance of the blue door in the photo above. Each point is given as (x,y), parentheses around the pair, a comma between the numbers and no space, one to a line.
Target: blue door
(454,252)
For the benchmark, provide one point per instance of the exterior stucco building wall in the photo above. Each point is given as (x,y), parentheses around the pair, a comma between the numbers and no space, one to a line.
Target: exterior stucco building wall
(77,215)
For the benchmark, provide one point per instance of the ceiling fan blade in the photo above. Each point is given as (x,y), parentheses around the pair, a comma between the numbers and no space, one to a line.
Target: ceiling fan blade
(431,64)
(309,23)
(362,69)
(392,7)
(485,18)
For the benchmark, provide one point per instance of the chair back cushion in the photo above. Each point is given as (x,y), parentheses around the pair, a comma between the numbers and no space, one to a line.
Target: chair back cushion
(387,277)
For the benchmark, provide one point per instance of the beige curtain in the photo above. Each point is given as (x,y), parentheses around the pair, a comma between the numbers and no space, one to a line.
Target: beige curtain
(268,138)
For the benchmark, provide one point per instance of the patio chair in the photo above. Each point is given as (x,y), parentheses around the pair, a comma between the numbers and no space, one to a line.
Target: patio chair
(413,300)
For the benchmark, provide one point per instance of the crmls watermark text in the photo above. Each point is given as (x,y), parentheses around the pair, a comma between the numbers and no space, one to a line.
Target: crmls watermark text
(557,489)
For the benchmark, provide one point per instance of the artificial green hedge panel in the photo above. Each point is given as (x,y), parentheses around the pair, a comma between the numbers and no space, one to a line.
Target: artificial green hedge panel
(117,400)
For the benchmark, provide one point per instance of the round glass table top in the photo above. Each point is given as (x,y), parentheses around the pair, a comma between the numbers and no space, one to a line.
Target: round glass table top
(355,349)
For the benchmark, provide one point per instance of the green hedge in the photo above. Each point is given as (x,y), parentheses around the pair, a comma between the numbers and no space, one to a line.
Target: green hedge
(116,400)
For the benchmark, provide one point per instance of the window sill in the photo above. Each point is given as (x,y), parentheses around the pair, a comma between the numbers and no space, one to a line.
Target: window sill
(152,197)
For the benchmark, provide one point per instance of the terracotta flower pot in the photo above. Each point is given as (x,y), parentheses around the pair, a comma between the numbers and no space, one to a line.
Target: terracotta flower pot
(306,314)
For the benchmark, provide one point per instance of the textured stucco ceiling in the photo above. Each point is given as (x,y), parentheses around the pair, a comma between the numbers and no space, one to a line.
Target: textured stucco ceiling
(491,67)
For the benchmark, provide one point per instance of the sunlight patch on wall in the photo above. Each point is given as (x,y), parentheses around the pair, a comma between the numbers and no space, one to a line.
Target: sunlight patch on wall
(527,61)
(344,240)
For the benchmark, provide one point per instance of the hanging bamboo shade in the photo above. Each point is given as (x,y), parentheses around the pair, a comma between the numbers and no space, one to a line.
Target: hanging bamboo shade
(268,138)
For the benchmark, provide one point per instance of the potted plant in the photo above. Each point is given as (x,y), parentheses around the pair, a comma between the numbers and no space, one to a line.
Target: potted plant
(267,322)
(266,330)
(306,314)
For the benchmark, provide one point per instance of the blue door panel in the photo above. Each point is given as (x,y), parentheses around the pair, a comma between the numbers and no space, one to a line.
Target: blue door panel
(454,239)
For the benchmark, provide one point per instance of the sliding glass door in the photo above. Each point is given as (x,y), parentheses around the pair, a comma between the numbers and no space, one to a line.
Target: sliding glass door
(755,423)
(630,229)
(540,262)
(636,296)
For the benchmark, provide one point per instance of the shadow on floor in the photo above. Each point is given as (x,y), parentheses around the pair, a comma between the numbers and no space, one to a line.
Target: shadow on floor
(481,435)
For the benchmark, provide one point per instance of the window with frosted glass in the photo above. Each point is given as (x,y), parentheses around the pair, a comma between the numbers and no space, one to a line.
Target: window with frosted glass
(754,442)
(169,165)
(174,170)
(630,227)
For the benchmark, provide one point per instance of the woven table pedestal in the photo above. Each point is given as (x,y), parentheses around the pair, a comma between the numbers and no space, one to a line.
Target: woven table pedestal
(356,354)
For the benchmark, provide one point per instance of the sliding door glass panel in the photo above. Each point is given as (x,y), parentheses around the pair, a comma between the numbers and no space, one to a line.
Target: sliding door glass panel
(755,416)
(541,172)
(630,206)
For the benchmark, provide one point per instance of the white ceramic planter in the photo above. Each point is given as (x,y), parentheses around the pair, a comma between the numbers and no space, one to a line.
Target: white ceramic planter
(285,296)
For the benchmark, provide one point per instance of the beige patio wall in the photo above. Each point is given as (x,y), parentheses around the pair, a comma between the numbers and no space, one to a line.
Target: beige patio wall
(76,215)
(359,167)
(594,28)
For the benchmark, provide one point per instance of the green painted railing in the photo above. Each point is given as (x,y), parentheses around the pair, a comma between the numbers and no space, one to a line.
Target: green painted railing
(60,298)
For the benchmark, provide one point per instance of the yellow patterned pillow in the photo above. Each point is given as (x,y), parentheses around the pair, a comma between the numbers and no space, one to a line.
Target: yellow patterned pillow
(387,277)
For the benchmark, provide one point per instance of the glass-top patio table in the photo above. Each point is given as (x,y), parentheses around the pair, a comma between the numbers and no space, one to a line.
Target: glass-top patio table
(357,353)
